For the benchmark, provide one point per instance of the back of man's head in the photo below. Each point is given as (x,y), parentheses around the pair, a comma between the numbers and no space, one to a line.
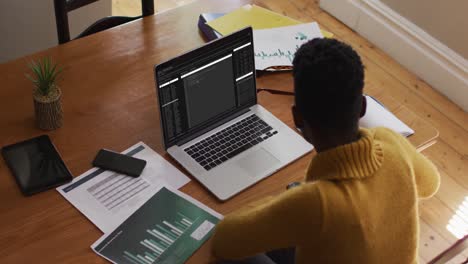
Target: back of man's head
(328,80)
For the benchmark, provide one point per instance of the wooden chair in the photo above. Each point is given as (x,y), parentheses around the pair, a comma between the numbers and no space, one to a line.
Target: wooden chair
(452,252)
(62,7)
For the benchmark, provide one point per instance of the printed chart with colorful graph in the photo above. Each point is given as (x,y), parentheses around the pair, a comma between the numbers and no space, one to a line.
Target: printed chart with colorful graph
(166,229)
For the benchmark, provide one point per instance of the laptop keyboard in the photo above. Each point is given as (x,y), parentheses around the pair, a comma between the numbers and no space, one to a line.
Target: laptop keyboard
(229,142)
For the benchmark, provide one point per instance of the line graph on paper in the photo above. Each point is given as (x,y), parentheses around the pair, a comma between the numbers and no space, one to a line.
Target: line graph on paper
(277,46)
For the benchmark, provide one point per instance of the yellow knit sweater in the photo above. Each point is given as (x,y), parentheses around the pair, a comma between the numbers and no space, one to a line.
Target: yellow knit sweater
(358,205)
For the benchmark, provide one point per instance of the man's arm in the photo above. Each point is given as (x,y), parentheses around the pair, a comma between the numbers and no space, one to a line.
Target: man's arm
(426,174)
(288,220)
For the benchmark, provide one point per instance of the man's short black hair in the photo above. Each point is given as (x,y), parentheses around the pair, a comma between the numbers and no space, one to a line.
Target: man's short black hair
(328,81)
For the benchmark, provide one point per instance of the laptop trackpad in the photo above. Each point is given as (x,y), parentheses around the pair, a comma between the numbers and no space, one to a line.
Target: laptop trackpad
(257,162)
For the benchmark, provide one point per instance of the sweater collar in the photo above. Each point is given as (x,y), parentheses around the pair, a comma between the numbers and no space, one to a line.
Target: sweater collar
(357,160)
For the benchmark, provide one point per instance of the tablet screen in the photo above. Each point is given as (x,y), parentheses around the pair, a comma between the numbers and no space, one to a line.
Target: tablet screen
(36,165)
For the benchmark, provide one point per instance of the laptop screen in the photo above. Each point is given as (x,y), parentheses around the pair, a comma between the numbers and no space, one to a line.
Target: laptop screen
(206,86)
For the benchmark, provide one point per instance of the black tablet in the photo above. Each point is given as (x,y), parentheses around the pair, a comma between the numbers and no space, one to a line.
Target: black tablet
(36,165)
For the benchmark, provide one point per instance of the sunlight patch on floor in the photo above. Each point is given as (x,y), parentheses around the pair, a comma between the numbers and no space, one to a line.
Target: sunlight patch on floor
(458,224)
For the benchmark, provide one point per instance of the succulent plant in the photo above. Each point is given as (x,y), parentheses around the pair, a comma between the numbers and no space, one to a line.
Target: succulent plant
(44,75)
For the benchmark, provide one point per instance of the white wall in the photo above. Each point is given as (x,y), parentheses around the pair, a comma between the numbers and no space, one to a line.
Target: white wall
(433,61)
(445,20)
(29,26)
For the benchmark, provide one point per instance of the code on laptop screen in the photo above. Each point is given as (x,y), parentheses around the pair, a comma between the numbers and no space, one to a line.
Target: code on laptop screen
(206,85)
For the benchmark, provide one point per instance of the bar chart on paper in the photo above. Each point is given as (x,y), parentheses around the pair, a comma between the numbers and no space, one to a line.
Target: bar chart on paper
(166,229)
(160,238)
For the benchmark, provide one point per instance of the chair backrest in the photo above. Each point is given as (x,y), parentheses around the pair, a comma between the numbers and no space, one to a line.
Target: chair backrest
(452,252)
(62,7)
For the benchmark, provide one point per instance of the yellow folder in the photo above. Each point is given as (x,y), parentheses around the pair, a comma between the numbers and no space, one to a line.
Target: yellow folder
(255,16)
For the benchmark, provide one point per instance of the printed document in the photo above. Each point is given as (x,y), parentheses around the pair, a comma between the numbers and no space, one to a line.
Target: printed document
(277,46)
(168,228)
(107,198)
(377,115)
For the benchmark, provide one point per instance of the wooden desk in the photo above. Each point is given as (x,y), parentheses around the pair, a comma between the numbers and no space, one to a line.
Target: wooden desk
(109,101)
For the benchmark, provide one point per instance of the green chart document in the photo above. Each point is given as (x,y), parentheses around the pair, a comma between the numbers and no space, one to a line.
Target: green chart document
(168,228)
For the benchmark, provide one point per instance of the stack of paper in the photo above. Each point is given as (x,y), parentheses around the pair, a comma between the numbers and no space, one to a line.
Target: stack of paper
(276,37)
(254,16)
(378,116)
(145,219)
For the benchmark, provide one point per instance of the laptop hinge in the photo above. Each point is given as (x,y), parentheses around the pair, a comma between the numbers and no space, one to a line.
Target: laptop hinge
(213,126)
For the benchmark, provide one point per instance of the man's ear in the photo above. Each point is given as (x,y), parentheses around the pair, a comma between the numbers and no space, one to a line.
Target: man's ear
(363,106)
(298,120)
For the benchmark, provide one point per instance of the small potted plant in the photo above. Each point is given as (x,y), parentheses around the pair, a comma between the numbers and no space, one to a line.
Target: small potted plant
(46,93)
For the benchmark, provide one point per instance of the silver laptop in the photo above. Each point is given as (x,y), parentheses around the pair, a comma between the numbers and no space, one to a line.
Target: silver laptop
(211,122)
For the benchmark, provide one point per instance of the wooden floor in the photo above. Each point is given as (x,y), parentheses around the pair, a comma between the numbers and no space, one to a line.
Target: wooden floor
(386,76)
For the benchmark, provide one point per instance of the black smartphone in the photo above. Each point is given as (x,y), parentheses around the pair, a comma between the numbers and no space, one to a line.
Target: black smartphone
(36,165)
(121,163)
